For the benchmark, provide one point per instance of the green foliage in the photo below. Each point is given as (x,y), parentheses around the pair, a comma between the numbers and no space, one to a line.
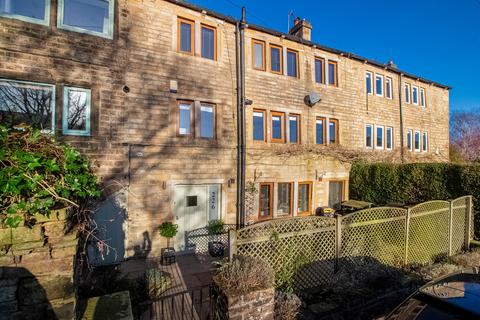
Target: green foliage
(216,227)
(168,230)
(37,174)
(416,182)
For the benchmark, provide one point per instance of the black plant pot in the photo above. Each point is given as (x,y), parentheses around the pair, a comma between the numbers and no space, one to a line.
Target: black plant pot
(168,256)
(216,249)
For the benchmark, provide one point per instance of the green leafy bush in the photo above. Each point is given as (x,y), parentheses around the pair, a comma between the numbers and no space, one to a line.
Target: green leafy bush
(37,174)
(168,230)
(216,227)
(416,182)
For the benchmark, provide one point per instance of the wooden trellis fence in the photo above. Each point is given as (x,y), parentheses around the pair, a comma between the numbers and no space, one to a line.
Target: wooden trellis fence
(388,235)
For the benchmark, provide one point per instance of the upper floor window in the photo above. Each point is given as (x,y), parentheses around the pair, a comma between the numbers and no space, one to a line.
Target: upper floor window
(410,140)
(422,97)
(185,118)
(389,138)
(76,111)
(259,125)
(87,16)
(258,48)
(333,131)
(332,73)
(209,42)
(276,56)
(417,141)
(415,95)
(407,93)
(29,103)
(292,63)
(369,82)
(369,136)
(388,88)
(294,127)
(207,121)
(278,126)
(319,70)
(36,11)
(425,141)
(320,131)
(379,85)
(379,144)
(186,36)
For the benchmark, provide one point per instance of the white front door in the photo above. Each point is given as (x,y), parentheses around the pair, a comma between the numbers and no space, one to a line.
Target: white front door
(194,206)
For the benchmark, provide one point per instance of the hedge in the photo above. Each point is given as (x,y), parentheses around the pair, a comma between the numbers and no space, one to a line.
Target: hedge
(417,182)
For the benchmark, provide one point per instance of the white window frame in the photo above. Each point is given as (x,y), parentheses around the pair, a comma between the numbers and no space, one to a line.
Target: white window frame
(379,76)
(371,126)
(410,140)
(65,130)
(408,93)
(423,101)
(413,96)
(45,21)
(388,83)
(425,142)
(111,18)
(382,147)
(419,141)
(391,137)
(371,82)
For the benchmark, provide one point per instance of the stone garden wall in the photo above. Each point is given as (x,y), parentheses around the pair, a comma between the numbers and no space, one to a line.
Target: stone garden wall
(36,270)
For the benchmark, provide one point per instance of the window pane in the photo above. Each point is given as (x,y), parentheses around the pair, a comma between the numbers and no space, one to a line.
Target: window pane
(415,95)
(275,59)
(78,105)
(368,135)
(331,73)
(258,55)
(332,131)
(208,43)
(92,15)
(368,81)
(422,97)
(319,128)
(284,198)
(388,88)
(409,140)
(32,104)
(379,137)
(417,141)
(389,138)
(293,129)
(184,119)
(379,85)
(28,8)
(335,194)
(425,142)
(258,129)
(303,197)
(407,93)
(319,71)
(277,127)
(207,121)
(185,37)
(265,201)
(292,64)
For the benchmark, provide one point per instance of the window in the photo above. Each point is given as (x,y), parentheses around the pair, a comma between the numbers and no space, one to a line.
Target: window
(29,103)
(258,55)
(319,70)
(369,136)
(265,201)
(36,11)
(87,16)
(333,131)
(389,138)
(422,97)
(417,141)
(278,127)
(76,111)
(332,73)
(276,56)
(294,128)
(259,126)
(388,88)
(292,63)
(379,85)
(415,95)
(320,131)
(284,198)
(207,121)
(209,42)
(304,198)
(409,140)
(369,82)
(407,93)
(425,142)
(379,141)
(185,118)
(336,194)
(186,36)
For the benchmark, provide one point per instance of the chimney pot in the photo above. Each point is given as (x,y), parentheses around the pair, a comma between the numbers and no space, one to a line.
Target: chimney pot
(302,29)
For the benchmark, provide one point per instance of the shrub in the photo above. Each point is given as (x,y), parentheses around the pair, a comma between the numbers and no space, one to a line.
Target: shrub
(287,306)
(216,227)
(243,275)
(168,230)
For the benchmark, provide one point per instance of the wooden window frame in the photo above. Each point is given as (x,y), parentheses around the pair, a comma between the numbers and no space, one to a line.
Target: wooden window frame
(309,198)
(344,188)
(371,126)
(382,147)
(322,62)
(425,146)
(270,216)
(389,80)
(282,115)
(297,66)
(381,86)
(192,118)
(299,129)
(335,73)
(264,64)
(281,58)
(324,133)
(192,35)
(337,131)
(290,214)
(214,106)
(206,26)
(264,125)
(386,140)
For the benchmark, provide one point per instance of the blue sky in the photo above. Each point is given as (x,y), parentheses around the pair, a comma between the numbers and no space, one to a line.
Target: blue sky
(435,39)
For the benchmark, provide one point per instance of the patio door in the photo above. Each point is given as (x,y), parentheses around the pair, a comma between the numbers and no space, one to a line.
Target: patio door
(194,206)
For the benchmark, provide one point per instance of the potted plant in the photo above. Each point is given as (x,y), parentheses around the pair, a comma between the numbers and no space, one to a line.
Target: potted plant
(168,230)
(216,248)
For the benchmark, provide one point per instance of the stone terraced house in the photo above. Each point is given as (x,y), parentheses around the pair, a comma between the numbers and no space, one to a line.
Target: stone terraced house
(147,90)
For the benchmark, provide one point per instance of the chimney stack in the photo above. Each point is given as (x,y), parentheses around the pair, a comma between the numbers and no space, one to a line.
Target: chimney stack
(302,29)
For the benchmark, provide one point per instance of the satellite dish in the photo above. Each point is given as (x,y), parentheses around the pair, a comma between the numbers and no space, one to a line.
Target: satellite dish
(312,98)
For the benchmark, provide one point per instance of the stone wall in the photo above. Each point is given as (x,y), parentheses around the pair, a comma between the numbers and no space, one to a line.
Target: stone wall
(36,270)
(257,305)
